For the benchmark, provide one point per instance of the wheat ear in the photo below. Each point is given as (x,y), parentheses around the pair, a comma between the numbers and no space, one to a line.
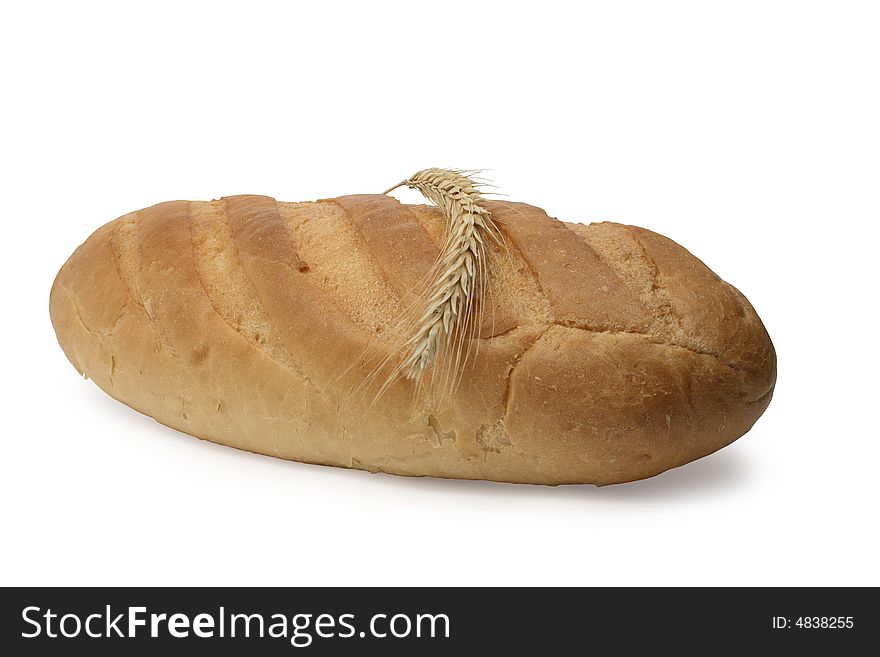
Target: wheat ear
(451,307)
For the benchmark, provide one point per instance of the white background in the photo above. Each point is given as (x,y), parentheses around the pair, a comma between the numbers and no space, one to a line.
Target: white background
(748,131)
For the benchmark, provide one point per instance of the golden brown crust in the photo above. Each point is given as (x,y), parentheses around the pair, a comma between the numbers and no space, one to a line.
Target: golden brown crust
(608,352)
(581,288)
(397,242)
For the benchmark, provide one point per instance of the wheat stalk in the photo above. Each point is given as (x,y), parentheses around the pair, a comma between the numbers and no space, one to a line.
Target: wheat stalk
(451,310)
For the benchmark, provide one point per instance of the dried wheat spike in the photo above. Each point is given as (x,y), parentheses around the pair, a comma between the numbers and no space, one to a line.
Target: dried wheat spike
(450,314)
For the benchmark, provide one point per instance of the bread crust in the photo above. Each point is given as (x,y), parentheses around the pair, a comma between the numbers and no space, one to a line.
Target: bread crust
(607,353)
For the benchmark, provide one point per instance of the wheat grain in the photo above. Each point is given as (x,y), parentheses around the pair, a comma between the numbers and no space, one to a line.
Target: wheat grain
(450,311)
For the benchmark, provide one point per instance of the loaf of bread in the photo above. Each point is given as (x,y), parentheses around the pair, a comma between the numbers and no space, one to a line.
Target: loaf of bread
(604,353)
